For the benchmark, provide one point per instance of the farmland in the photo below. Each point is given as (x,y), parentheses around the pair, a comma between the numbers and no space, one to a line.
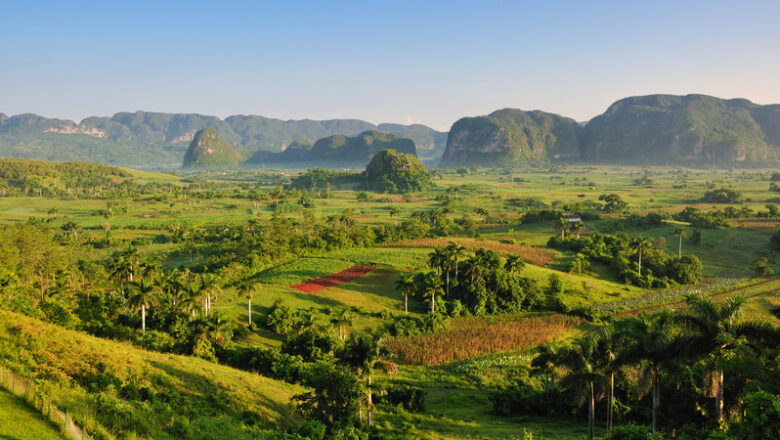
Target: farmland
(313,270)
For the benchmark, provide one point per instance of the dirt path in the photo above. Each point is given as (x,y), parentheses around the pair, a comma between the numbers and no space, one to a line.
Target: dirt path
(716,294)
(332,280)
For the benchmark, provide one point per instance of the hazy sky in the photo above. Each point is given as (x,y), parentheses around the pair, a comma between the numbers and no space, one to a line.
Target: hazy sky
(430,62)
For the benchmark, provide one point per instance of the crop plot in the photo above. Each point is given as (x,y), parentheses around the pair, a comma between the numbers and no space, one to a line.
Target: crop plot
(335,279)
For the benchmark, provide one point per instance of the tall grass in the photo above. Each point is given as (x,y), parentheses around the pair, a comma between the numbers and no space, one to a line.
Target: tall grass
(470,337)
(533,255)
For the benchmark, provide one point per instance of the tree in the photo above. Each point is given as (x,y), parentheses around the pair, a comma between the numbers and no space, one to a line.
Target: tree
(441,260)
(680,233)
(545,362)
(580,363)
(335,396)
(247,289)
(362,353)
(514,263)
(640,244)
(607,361)
(456,250)
(393,211)
(431,285)
(712,332)
(407,286)
(761,267)
(144,294)
(649,339)
(576,228)
(342,319)
(612,203)
(562,224)
(210,287)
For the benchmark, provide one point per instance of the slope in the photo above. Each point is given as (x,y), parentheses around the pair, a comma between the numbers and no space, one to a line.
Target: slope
(115,390)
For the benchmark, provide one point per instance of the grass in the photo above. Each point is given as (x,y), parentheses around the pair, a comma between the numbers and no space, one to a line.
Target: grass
(19,421)
(60,360)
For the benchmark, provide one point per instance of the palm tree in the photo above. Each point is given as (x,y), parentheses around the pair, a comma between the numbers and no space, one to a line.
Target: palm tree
(608,363)
(407,286)
(649,339)
(431,285)
(363,353)
(247,289)
(210,288)
(456,251)
(640,244)
(144,294)
(342,319)
(712,331)
(580,361)
(441,260)
(680,232)
(576,228)
(544,363)
(562,224)
(514,263)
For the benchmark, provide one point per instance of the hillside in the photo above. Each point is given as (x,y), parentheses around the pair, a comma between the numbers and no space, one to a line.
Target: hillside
(335,151)
(511,137)
(692,129)
(209,150)
(148,139)
(142,394)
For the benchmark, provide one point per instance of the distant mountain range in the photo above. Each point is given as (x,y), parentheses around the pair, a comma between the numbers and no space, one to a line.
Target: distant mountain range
(335,151)
(145,139)
(693,130)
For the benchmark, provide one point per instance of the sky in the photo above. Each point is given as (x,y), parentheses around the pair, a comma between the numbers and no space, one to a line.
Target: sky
(429,62)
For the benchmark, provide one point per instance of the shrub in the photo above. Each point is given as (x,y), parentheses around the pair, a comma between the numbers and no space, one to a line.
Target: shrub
(410,398)
(633,432)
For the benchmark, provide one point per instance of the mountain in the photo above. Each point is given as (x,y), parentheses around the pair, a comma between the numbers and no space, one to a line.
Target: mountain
(209,150)
(335,151)
(148,139)
(430,143)
(511,137)
(395,172)
(691,129)
(694,130)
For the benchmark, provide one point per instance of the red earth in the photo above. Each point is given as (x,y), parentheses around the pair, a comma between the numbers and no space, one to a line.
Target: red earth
(335,279)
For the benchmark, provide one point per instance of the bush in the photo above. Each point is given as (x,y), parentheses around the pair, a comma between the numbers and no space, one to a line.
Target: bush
(761,418)
(410,398)
(633,432)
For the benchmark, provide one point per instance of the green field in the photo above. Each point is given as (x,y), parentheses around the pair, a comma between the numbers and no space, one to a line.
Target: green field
(19,421)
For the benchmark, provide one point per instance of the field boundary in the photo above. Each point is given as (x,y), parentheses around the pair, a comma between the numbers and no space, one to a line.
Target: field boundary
(22,387)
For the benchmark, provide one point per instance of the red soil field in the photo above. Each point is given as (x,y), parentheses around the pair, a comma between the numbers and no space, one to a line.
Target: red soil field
(335,279)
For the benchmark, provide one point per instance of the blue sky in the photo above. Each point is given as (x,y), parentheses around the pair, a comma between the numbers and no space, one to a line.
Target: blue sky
(430,62)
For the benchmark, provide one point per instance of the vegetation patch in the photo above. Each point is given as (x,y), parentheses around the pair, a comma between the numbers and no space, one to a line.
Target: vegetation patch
(335,279)
(468,337)
(533,255)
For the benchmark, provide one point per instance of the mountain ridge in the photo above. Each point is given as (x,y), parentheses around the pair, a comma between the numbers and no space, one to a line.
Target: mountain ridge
(160,139)
(694,129)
